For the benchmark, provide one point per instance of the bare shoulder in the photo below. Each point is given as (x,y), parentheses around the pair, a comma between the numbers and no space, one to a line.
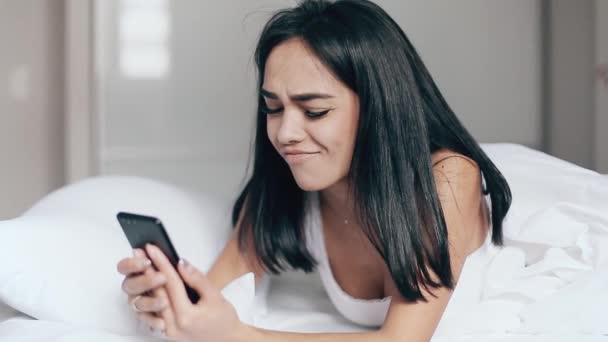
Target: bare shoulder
(459,188)
(452,169)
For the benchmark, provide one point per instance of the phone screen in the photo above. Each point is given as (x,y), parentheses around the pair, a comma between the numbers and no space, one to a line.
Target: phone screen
(141,230)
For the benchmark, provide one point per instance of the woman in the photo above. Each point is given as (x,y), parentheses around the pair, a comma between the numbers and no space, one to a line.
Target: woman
(361,169)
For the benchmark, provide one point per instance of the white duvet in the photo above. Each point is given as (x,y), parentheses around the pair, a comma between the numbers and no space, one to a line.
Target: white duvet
(550,282)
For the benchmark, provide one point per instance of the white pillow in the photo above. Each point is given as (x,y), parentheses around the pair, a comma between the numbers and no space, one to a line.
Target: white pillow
(193,220)
(58,260)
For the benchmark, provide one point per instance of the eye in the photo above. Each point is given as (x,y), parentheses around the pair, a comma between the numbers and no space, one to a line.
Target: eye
(270,111)
(316,114)
(310,114)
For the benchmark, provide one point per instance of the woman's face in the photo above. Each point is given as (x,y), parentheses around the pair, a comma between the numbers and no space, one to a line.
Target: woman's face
(313,117)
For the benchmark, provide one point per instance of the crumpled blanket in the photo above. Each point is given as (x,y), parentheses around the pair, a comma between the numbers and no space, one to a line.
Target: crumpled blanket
(551,276)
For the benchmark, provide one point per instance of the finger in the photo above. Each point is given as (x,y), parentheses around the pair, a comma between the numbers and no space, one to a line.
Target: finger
(129,266)
(139,252)
(196,279)
(149,303)
(137,285)
(151,272)
(151,320)
(167,313)
(135,264)
(175,286)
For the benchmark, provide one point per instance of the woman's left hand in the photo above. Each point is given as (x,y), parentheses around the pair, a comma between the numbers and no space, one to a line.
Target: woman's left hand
(212,318)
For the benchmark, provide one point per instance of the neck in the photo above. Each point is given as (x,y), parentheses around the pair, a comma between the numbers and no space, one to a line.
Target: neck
(340,202)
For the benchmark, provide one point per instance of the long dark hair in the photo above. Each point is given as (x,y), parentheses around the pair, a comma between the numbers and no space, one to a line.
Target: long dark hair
(392,182)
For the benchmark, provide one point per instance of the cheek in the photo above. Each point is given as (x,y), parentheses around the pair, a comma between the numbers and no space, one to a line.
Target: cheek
(344,132)
(344,142)
(338,140)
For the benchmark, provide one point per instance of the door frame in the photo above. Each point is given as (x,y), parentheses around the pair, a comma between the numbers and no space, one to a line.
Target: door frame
(81,119)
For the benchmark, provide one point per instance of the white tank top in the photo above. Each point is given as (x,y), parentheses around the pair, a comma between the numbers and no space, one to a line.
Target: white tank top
(365,312)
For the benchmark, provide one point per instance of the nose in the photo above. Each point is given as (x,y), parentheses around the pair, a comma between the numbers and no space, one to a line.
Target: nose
(291,129)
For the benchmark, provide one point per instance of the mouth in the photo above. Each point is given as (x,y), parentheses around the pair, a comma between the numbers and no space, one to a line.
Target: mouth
(299,158)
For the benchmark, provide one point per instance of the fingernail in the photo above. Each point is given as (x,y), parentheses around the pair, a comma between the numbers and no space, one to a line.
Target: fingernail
(146,263)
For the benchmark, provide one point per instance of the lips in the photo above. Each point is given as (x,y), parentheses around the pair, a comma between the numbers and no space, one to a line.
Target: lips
(299,158)
(288,150)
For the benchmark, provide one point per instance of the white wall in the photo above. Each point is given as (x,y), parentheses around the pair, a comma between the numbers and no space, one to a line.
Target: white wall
(193,126)
(81,129)
(31,93)
(485,57)
(570,86)
(601,97)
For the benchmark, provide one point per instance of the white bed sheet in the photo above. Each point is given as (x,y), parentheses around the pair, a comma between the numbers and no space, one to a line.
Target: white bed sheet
(296,302)
(549,284)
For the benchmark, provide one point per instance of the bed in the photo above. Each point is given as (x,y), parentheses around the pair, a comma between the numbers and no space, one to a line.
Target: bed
(58,280)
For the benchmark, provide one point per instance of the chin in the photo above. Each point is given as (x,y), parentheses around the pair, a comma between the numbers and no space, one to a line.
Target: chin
(312,182)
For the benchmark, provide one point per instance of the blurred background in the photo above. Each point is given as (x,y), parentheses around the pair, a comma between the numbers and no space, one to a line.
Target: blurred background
(166,89)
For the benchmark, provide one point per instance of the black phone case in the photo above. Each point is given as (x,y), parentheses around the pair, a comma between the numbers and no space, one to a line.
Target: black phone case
(141,229)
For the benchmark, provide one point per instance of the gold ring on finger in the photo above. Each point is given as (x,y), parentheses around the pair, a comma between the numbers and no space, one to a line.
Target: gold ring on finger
(133,302)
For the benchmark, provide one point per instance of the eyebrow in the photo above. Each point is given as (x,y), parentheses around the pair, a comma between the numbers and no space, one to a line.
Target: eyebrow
(297,97)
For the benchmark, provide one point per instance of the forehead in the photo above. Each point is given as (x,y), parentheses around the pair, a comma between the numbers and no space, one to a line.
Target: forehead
(292,68)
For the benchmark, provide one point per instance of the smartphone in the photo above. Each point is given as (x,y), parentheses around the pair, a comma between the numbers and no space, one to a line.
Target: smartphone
(141,230)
